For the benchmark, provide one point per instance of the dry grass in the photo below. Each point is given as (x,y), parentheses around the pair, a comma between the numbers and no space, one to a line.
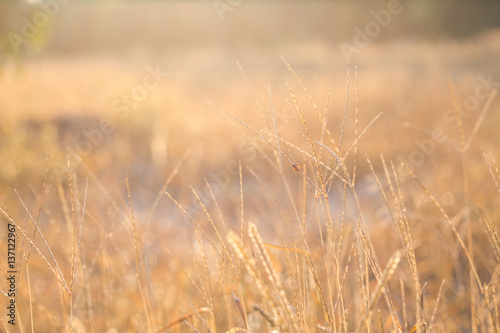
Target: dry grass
(285,209)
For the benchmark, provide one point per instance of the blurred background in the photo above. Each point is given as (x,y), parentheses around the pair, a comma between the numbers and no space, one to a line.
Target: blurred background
(88,27)
(73,74)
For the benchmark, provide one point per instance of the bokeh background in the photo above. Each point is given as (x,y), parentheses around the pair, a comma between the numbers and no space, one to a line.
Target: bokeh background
(66,65)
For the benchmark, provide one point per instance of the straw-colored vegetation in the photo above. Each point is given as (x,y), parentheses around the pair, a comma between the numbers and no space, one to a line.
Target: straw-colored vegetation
(333,200)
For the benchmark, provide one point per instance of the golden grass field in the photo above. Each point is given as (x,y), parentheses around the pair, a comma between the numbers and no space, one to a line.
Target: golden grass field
(253,193)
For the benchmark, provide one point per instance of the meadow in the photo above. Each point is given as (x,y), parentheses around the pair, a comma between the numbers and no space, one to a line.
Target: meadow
(254,190)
